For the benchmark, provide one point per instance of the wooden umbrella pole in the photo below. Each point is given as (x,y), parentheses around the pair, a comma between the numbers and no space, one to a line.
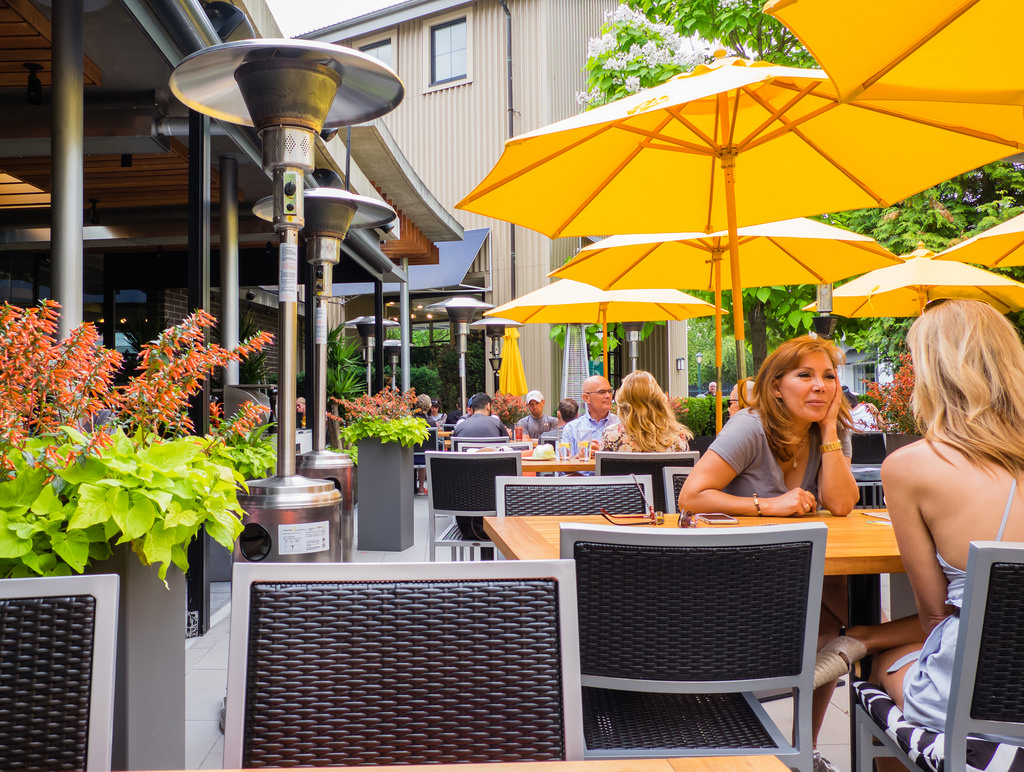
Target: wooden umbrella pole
(728,169)
(604,337)
(716,262)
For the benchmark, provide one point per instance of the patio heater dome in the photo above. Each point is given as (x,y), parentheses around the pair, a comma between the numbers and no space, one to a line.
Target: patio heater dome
(461,311)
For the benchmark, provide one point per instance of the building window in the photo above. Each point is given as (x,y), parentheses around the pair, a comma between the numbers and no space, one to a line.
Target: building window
(381,50)
(448,52)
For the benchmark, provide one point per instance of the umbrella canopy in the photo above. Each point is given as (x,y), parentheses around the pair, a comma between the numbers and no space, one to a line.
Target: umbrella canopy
(998,247)
(511,376)
(729,144)
(912,49)
(796,251)
(570,302)
(903,290)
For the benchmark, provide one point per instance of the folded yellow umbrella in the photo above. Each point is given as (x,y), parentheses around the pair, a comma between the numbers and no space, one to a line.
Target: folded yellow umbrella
(904,290)
(998,247)
(511,376)
(570,302)
(913,49)
(732,144)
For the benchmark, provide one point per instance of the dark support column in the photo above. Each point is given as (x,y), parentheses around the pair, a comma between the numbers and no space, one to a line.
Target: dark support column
(198,581)
(378,335)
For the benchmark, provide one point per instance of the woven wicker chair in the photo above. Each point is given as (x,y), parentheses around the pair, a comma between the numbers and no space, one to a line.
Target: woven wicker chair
(673,478)
(679,628)
(644,463)
(461,485)
(417,663)
(571,496)
(987,692)
(58,640)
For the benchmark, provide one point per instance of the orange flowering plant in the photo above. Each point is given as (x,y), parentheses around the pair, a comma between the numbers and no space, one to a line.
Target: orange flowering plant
(509,408)
(895,414)
(386,416)
(85,464)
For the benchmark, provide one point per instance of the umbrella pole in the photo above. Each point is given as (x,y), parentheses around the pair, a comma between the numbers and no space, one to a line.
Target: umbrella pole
(604,338)
(716,259)
(729,168)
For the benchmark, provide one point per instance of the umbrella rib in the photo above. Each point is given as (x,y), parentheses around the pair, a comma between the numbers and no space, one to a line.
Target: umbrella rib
(795,259)
(675,144)
(913,47)
(996,300)
(774,114)
(675,316)
(867,247)
(633,265)
(479,193)
(675,113)
(876,108)
(1006,254)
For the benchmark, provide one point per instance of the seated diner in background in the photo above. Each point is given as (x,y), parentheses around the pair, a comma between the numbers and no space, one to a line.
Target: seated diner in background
(646,422)
(568,410)
(590,425)
(536,423)
(479,421)
(788,454)
(741,396)
(956,486)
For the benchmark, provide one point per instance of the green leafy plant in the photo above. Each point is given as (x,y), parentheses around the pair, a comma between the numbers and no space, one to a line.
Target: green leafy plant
(85,465)
(386,416)
(699,415)
(895,414)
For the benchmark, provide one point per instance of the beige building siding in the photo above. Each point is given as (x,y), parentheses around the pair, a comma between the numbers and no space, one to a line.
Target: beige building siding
(453,136)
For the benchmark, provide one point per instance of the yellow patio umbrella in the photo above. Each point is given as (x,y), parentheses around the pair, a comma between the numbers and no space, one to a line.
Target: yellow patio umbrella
(798,251)
(511,376)
(998,247)
(913,49)
(729,144)
(571,302)
(904,290)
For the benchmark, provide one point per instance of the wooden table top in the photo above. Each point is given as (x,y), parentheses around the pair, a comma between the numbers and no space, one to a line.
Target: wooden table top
(695,764)
(862,543)
(573,465)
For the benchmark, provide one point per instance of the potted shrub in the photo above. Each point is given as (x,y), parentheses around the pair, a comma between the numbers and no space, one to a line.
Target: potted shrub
(105,478)
(509,408)
(895,414)
(384,432)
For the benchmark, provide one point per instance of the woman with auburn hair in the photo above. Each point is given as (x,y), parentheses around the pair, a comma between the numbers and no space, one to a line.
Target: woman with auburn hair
(956,486)
(648,424)
(787,455)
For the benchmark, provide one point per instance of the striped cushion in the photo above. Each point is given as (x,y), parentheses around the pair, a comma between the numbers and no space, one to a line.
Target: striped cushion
(925,747)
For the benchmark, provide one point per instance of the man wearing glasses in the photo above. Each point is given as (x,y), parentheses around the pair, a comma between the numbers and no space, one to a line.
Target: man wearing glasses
(595,417)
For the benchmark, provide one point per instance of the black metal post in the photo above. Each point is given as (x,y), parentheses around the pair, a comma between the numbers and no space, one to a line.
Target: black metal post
(378,335)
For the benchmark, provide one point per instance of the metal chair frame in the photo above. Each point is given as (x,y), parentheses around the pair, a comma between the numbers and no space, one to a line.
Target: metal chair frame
(49,661)
(444,530)
(983,656)
(673,478)
(459,444)
(322,669)
(576,496)
(632,610)
(608,463)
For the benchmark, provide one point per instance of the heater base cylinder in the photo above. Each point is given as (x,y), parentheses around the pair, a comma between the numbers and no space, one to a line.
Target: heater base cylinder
(290,520)
(338,469)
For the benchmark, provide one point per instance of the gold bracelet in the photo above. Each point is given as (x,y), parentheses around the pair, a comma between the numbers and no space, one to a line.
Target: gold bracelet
(757,506)
(830,446)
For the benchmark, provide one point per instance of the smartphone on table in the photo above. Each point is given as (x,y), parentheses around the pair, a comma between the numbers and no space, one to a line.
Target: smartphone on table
(713,518)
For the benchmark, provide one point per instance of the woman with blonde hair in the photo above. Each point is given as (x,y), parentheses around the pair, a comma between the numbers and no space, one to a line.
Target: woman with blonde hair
(956,486)
(647,423)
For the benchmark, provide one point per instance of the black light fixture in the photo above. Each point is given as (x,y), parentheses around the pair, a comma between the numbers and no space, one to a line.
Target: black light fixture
(824,326)
(35,86)
(126,160)
(94,212)
(229,22)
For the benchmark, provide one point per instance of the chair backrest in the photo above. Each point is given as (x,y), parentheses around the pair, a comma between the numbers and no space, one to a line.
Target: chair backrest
(697,609)
(644,463)
(550,438)
(462,443)
(987,691)
(463,483)
(428,444)
(868,447)
(342,664)
(58,638)
(673,478)
(571,496)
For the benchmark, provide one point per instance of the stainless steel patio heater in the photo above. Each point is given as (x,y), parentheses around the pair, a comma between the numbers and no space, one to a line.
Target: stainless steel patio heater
(289,90)
(461,311)
(633,330)
(330,214)
(366,326)
(393,352)
(494,327)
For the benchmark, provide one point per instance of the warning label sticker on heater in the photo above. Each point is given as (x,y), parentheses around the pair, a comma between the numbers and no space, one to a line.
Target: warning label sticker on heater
(288,259)
(320,324)
(303,538)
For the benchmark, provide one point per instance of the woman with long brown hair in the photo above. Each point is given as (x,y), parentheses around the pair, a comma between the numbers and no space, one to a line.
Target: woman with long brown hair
(647,423)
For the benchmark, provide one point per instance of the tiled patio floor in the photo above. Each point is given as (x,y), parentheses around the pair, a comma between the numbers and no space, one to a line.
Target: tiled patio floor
(206,661)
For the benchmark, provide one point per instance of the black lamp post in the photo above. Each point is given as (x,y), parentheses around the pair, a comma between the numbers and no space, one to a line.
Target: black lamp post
(494,327)
(700,360)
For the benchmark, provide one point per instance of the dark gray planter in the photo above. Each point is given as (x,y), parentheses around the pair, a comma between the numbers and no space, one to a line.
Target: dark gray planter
(894,442)
(384,515)
(149,687)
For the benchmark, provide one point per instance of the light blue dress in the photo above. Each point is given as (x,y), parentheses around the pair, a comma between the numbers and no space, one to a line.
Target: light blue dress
(927,684)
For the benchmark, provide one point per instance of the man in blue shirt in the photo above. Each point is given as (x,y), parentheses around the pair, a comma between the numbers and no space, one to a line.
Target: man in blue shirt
(595,418)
